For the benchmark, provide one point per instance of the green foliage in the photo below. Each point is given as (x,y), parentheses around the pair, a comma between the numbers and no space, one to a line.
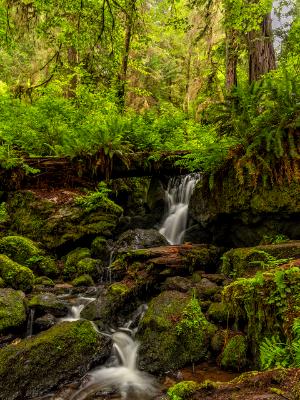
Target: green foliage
(193,318)
(182,390)
(274,353)
(269,261)
(4,216)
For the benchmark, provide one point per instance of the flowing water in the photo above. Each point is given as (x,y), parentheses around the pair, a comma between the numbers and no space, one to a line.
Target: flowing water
(75,310)
(121,375)
(178,195)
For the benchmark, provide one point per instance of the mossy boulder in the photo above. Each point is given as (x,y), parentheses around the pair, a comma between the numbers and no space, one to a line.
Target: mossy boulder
(44,281)
(183,390)
(266,304)
(83,280)
(19,248)
(240,214)
(15,275)
(72,259)
(43,265)
(44,303)
(100,248)
(247,261)
(218,313)
(92,267)
(48,359)
(206,289)
(234,355)
(12,309)
(57,218)
(173,332)
(140,239)
(203,257)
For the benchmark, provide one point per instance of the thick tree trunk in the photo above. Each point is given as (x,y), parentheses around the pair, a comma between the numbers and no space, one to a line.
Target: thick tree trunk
(231,59)
(261,50)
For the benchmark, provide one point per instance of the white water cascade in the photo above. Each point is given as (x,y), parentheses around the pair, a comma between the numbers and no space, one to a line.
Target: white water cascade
(123,376)
(178,196)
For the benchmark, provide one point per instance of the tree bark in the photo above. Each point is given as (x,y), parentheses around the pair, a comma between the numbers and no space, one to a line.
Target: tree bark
(231,59)
(261,50)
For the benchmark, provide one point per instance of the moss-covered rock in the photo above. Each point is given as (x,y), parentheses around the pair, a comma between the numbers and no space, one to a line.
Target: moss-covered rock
(183,390)
(83,280)
(12,309)
(234,355)
(206,289)
(134,239)
(19,248)
(44,361)
(44,303)
(265,304)
(173,332)
(2,283)
(247,261)
(44,281)
(92,267)
(44,266)
(56,218)
(203,258)
(218,313)
(15,275)
(72,259)
(241,214)
(100,248)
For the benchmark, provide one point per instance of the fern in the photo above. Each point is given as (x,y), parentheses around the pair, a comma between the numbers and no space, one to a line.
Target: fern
(273,353)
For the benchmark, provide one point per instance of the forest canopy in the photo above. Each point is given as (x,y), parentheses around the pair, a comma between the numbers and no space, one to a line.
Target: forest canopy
(214,77)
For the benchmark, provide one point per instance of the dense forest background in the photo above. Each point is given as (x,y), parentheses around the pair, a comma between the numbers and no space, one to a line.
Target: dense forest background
(212,76)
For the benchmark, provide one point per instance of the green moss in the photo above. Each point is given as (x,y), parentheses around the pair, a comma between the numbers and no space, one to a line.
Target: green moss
(2,283)
(72,260)
(19,248)
(173,332)
(234,355)
(15,275)
(83,280)
(182,390)
(43,265)
(12,309)
(201,258)
(43,280)
(267,303)
(99,248)
(58,354)
(48,302)
(90,267)
(118,289)
(237,262)
(218,313)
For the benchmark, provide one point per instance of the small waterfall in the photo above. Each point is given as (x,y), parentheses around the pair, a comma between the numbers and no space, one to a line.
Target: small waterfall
(178,196)
(124,377)
(30,323)
(75,311)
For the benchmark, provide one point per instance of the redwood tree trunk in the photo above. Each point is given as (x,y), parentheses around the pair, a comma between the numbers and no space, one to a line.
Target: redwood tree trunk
(261,50)
(231,59)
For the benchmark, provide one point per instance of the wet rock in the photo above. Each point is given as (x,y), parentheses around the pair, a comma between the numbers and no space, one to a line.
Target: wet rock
(140,239)
(42,362)
(12,309)
(45,322)
(100,249)
(168,338)
(206,289)
(179,283)
(218,341)
(44,303)
(15,275)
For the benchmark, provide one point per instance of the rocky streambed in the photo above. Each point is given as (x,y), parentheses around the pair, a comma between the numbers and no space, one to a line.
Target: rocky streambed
(68,272)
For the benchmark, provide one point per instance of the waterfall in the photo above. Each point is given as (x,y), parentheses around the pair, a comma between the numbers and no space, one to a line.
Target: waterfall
(75,310)
(30,323)
(123,376)
(178,196)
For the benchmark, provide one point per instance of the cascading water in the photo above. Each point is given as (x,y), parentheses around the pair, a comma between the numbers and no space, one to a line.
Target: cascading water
(178,196)
(122,376)
(75,310)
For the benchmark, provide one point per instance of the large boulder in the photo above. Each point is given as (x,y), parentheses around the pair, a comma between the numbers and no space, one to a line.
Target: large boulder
(173,332)
(44,303)
(15,275)
(38,364)
(140,239)
(57,218)
(12,309)
(239,215)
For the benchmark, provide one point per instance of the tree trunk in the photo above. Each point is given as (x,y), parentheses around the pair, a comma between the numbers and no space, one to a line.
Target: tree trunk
(261,50)
(231,59)
(122,77)
(72,61)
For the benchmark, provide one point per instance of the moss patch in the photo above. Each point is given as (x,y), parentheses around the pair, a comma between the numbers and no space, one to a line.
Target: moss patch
(15,275)
(12,309)
(19,248)
(234,355)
